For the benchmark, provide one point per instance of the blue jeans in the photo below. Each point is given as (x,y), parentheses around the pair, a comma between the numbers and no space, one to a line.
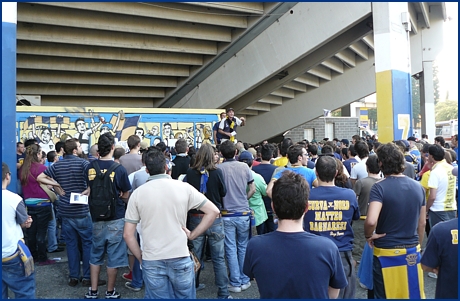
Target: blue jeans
(108,238)
(137,280)
(269,224)
(14,278)
(169,278)
(236,240)
(36,234)
(216,238)
(52,240)
(440,216)
(74,229)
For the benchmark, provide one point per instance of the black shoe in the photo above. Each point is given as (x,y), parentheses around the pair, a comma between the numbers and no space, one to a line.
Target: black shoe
(59,249)
(87,282)
(73,282)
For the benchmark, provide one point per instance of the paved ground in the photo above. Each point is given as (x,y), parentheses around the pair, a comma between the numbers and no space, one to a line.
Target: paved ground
(52,284)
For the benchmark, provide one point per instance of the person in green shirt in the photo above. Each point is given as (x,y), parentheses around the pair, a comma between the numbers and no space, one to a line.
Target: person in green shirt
(256,203)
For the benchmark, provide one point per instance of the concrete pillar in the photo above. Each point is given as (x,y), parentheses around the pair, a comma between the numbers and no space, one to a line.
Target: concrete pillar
(427,101)
(9,20)
(392,70)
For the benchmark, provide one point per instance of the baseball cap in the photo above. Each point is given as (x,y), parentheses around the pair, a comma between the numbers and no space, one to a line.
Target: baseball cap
(406,143)
(345,141)
(245,156)
(230,109)
(411,138)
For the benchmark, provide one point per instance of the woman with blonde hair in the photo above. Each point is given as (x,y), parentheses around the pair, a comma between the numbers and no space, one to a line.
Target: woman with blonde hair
(37,202)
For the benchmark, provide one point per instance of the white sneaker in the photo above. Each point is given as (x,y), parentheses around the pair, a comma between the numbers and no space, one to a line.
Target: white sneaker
(432,275)
(234,289)
(246,286)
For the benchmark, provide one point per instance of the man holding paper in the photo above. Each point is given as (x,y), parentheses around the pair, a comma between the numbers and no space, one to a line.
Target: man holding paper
(76,220)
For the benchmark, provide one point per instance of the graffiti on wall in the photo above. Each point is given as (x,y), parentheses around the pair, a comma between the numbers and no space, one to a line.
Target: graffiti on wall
(49,126)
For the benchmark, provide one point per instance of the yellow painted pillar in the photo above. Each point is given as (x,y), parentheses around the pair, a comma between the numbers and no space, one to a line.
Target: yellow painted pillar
(392,67)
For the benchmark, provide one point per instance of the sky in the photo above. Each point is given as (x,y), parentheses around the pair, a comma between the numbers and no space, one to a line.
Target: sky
(447,60)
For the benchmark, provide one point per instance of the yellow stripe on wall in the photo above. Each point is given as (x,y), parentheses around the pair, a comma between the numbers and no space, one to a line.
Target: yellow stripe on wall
(384,91)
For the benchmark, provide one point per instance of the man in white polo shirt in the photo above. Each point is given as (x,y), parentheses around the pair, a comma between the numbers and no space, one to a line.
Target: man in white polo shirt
(166,264)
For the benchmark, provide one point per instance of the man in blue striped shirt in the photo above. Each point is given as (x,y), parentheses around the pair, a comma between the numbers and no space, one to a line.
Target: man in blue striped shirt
(76,219)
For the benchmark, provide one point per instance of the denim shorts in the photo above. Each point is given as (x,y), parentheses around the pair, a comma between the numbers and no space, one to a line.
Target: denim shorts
(108,236)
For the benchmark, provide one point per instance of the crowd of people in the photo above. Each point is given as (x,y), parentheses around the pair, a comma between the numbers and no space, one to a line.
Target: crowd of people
(296,217)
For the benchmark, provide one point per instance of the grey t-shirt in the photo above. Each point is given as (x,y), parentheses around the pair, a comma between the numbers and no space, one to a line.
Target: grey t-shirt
(132,162)
(362,189)
(237,176)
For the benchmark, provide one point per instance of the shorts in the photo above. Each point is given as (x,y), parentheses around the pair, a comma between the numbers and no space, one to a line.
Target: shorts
(108,237)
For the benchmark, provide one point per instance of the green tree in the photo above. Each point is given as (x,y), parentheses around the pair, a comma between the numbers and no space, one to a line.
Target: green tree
(437,93)
(372,115)
(337,113)
(446,110)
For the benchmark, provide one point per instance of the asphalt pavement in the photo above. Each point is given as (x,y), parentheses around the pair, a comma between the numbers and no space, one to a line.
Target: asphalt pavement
(52,284)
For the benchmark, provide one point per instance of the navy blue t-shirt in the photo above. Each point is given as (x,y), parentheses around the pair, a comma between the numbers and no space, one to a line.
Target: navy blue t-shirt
(266,171)
(401,198)
(330,212)
(218,135)
(296,265)
(349,163)
(120,179)
(442,251)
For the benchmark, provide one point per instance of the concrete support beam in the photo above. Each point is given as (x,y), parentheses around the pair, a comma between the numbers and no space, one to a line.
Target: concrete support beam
(333,63)
(248,112)
(82,101)
(167,11)
(369,41)
(321,72)
(273,100)
(283,92)
(88,78)
(311,61)
(360,49)
(347,56)
(80,36)
(259,107)
(425,13)
(42,14)
(296,86)
(241,40)
(108,53)
(77,90)
(413,17)
(98,66)
(286,52)
(244,7)
(308,80)
(353,84)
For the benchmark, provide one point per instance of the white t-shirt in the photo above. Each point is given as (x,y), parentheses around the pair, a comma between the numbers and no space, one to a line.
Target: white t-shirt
(13,215)
(162,205)
(443,180)
(359,171)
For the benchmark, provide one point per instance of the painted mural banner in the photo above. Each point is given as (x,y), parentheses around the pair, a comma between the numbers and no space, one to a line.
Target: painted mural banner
(50,124)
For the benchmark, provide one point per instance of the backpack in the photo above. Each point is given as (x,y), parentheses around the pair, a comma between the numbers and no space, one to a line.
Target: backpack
(103,196)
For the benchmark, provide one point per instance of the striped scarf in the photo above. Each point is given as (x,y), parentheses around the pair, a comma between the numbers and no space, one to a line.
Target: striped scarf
(204,180)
